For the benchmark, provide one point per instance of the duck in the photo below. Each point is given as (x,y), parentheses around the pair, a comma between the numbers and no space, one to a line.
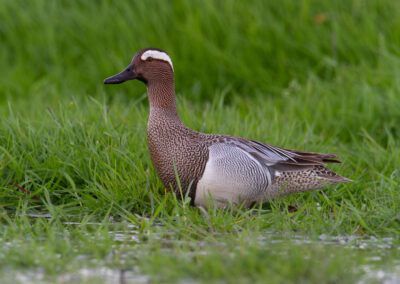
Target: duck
(217,169)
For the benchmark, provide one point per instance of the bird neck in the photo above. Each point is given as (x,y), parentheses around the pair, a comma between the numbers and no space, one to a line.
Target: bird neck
(161,95)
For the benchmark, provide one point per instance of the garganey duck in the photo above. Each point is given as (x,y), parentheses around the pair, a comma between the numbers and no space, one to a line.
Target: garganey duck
(215,167)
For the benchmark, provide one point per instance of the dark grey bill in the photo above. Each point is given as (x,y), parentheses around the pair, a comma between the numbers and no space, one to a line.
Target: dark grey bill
(127,74)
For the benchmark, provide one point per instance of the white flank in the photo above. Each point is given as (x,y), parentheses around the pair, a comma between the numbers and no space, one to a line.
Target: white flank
(157,55)
(231,175)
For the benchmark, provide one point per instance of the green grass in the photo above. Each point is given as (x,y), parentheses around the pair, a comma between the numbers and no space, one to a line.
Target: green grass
(309,75)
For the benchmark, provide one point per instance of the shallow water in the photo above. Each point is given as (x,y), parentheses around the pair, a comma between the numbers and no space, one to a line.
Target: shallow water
(84,275)
(348,241)
(391,276)
(130,238)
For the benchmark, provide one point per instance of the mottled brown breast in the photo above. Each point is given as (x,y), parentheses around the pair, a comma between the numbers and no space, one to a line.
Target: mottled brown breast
(172,143)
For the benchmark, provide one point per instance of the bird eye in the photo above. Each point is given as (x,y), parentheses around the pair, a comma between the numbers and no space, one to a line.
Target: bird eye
(149,59)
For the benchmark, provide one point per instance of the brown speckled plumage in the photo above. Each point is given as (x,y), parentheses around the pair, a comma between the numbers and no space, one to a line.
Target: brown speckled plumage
(231,169)
(171,142)
(299,181)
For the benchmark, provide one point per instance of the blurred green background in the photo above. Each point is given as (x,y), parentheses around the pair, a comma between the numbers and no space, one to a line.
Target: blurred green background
(64,48)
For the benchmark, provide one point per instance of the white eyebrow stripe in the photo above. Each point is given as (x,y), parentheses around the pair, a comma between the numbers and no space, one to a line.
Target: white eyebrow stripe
(157,55)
